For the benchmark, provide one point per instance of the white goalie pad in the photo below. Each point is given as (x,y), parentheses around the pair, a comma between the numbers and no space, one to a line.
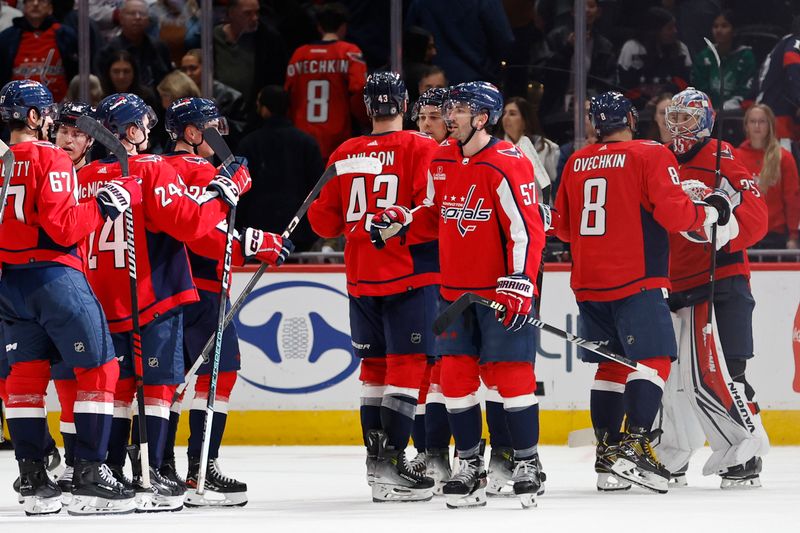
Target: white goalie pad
(703,389)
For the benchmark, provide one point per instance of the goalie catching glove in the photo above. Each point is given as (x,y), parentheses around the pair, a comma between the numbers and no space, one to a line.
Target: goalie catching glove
(231,188)
(391,222)
(515,293)
(718,210)
(117,195)
(265,247)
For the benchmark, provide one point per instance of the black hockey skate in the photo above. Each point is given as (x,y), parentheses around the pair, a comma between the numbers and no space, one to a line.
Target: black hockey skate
(467,487)
(437,463)
(169,471)
(219,490)
(372,454)
(527,480)
(95,491)
(395,479)
(637,462)
(605,456)
(744,476)
(499,473)
(40,495)
(52,464)
(161,496)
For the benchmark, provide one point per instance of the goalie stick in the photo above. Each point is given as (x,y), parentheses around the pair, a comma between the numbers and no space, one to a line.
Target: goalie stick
(97,131)
(455,309)
(8,169)
(355,165)
(220,147)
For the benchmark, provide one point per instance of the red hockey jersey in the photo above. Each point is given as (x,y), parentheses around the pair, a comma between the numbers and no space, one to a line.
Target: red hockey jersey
(42,220)
(347,203)
(618,201)
(206,253)
(325,81)
(488,218)
(689,261)
(167,217)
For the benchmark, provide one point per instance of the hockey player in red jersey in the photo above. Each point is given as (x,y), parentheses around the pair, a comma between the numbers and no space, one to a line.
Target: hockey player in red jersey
(618,200)
(427,114)
(483,195)
(49,309)
(325,80)
(168,217)
(76,144)
(392,285)
(185,121)
(735,433)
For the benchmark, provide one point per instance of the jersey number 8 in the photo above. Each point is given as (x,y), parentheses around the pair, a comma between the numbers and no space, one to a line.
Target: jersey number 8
(593,215)
(317,96)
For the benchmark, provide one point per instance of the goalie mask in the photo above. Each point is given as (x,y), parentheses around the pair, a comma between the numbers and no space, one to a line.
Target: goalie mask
(690,119)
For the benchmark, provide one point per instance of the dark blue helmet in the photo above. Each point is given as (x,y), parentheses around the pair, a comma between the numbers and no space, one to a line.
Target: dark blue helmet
(120,110)
(385,94)
(481,96)
(609,113)
(193,111)
(68,113)
(20,96)
(435,97)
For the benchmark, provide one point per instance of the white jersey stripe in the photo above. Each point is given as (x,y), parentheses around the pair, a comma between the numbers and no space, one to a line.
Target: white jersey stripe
(519,233)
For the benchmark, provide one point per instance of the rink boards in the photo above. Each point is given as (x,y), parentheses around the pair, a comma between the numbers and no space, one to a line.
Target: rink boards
(298,383)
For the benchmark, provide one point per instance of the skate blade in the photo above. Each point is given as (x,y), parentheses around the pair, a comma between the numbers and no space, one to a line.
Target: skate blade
(461,501)
(394,493)
(740,484)
(607,482)
(94,505)
(147,502)
(628,471)
(35,506)
(528,501)
(211,498)
(66,498)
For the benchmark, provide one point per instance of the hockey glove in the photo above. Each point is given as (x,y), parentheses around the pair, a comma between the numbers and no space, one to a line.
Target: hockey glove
(391,222)
(550,218)
(719,200)
(239,173)
(515,293)
(269,248)
(117,195)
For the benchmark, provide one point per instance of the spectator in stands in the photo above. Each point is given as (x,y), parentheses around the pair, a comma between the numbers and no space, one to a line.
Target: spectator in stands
(36,44)
(151,55)
(177,24)
(284,163)
(431,77)
(176,85)
(95,90)
(654,62)
(738,64)
(519,126)
(779,85)
(657,108)
(419,49)
(775,171)
(472,36)
(322,100)
(7,14)
(558,74)
(119,73)
(105,15)
(248,54)
(229,101)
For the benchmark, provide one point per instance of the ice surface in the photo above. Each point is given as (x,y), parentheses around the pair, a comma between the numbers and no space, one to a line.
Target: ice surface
(321,489)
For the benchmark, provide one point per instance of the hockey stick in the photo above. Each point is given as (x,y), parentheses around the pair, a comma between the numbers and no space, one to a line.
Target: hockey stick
(220,147)
(97,131)
(465,300)
(8,169)
(708,330)
(355,165)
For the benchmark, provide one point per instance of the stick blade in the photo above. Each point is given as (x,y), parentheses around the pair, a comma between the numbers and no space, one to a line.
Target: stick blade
(217,143)
(359,165)
(453,311)
(713,51)
(8,160)
(94,129)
